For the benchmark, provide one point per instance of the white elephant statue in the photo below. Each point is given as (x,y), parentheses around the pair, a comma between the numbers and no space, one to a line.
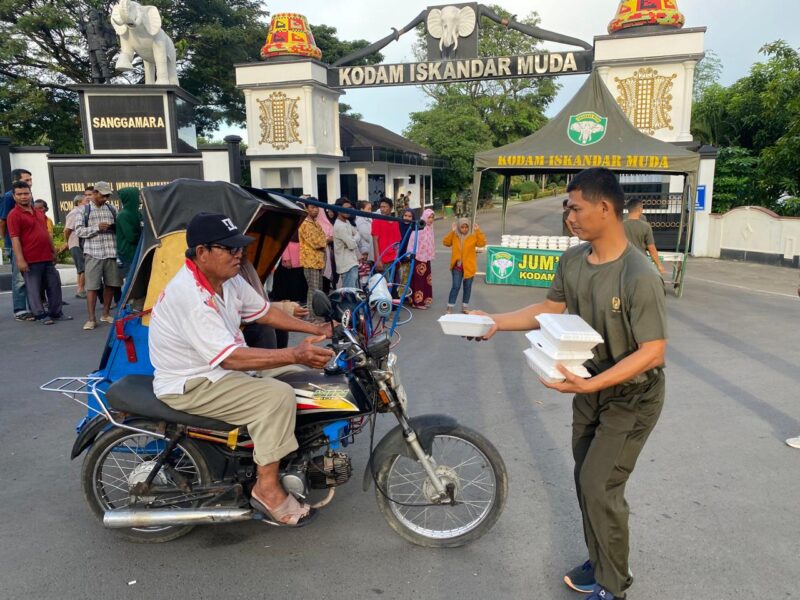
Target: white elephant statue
(448,24)
(139,30)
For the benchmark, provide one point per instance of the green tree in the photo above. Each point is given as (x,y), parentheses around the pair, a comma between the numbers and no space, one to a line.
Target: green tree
(485,114)
(756,123)
(735,182)
(455,130)
(42,52)
(512,108)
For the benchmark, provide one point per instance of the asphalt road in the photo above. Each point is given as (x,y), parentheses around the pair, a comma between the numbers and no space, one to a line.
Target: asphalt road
(714,497)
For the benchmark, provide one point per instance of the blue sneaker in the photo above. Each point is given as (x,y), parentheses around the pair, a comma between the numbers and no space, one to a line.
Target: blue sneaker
(581,578)
(601,593)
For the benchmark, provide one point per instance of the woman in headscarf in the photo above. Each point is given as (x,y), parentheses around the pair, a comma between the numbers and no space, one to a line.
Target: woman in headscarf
(329,275)
(421,282)
(404,267)
(128,228)
(463,260)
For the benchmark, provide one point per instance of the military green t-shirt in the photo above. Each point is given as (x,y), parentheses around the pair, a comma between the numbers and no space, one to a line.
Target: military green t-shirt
(639,233)
(622,300)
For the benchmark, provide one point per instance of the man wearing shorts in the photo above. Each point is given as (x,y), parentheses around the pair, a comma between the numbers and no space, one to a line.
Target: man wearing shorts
(73,220)
(99,253)
(200,356)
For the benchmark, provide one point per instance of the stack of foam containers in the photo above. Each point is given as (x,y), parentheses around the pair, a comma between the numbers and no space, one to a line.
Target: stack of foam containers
(539,242)
(565,340)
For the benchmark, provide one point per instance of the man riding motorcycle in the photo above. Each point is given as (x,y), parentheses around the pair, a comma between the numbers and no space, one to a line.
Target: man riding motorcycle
(201,359)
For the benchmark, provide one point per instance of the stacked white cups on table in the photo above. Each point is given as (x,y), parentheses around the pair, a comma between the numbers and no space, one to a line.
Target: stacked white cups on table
(565,340)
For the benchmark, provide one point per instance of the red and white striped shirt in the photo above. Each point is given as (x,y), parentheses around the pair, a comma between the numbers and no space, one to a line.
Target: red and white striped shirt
(192,329)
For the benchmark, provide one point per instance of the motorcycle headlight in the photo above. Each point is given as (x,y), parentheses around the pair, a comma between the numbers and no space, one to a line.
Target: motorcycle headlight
(399,390)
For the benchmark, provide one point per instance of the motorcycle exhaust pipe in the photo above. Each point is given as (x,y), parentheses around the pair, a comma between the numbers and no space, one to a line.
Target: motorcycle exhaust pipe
(137,517)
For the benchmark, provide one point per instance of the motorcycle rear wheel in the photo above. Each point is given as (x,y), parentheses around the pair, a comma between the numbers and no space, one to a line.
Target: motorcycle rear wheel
(462,457)
(119,458)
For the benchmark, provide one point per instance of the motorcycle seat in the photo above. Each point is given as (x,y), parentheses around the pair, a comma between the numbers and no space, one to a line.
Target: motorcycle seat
(134,394)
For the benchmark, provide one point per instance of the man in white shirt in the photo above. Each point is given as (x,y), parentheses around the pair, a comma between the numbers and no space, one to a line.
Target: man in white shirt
(345,247)
(200,356)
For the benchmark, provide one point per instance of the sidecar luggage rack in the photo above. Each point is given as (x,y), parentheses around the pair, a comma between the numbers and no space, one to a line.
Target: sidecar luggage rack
(75,387)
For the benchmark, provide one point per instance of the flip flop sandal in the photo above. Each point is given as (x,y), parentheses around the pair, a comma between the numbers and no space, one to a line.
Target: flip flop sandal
(290,506)
(26,316)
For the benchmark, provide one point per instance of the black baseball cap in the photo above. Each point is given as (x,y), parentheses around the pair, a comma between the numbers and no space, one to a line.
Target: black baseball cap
(214,228)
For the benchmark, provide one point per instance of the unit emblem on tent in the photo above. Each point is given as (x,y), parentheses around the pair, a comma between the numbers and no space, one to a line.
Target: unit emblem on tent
(503,265)
(586,128)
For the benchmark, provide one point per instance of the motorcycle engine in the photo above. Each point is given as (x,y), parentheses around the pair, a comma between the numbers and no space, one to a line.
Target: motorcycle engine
(329,470)
(293,480)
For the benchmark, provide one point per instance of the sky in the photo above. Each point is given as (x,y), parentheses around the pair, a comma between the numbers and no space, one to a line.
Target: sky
(736,31)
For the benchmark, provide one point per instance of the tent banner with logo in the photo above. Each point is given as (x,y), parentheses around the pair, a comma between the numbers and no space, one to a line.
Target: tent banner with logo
(591,131)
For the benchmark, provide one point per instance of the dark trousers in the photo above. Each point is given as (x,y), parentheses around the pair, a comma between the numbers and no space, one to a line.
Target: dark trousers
(458,278)
(609,429)
(43,276)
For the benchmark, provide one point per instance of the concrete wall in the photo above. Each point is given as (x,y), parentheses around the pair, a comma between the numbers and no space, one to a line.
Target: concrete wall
(34,159)
(215,164)
(756,234)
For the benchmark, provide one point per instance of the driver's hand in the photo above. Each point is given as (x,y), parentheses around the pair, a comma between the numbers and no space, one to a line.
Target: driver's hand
(306,353)
(491,332)
(300,312)
(326,330)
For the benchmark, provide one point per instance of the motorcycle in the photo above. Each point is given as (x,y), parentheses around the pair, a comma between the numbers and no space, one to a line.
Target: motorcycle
(152,473)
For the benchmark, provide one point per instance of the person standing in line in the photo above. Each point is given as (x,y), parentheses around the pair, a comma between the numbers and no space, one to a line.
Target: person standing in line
(313,243)
(404,265)
(329,275)
(72,242)
(97,230)
(35,255)
(640,234)
(413,203)
(616,291)
(463,245)
(43,207)
(385,236)
(129,228)
(364,227)
(345,247)
(19,295)
(421,279)
(365,247)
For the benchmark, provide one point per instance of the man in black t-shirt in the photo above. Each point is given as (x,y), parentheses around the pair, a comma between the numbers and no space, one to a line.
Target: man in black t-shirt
(613,287)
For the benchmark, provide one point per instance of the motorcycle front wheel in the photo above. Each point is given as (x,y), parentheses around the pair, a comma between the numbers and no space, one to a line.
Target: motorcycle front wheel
(461,457)
(120,458)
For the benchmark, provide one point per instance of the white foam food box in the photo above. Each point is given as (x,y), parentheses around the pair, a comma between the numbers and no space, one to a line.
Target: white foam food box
(538,340)
(546,368)
(466,325)
(569,332)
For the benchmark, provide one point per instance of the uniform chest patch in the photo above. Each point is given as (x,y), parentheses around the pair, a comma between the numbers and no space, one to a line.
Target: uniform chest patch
(616,304)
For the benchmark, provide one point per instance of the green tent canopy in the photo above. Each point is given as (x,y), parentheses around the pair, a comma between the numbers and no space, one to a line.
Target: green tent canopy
(591,131)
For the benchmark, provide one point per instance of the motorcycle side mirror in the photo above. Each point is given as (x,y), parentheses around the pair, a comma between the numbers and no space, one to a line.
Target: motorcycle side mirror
(321,305)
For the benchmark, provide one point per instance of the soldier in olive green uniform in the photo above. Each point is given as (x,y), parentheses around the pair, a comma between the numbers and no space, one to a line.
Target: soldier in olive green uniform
(614,288)
(640,234)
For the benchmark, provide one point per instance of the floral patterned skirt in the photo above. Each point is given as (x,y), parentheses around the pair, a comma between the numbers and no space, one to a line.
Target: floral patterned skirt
(421,285)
